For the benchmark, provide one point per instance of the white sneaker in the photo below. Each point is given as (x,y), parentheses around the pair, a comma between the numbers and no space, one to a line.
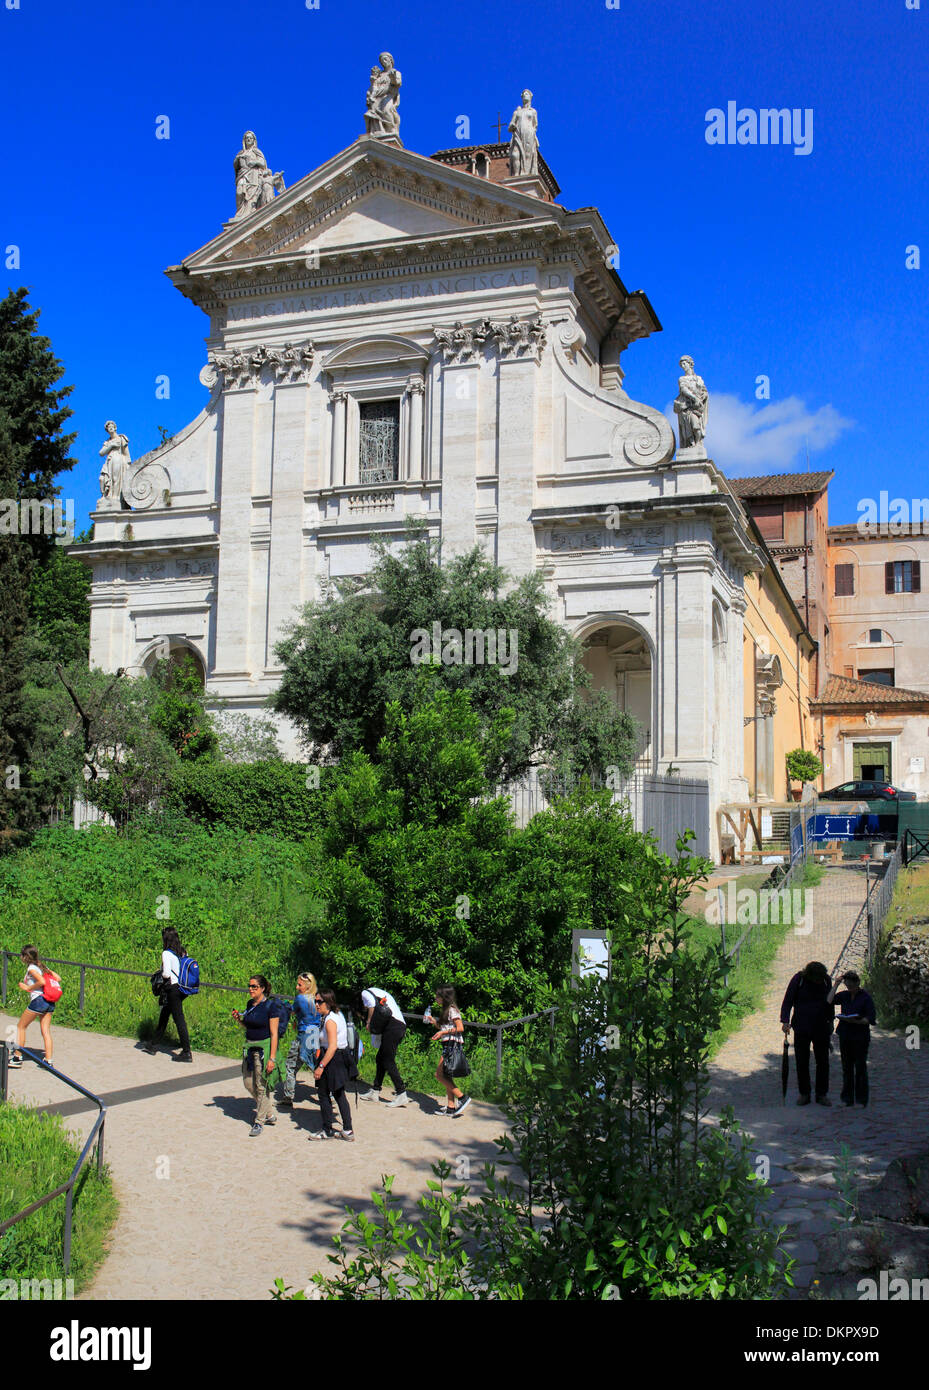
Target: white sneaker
(370,1095)
(401,1099)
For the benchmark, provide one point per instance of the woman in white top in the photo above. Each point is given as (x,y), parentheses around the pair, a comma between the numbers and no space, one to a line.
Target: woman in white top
(332,1073)
(172,1001)
(450,1029)
(38,1007)
(390,1025)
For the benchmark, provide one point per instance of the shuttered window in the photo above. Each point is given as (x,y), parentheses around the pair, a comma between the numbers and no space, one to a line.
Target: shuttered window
(769,518)
(901,577)
(844,580)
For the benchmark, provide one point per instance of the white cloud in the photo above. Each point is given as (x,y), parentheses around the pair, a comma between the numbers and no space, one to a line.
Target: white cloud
(745,439)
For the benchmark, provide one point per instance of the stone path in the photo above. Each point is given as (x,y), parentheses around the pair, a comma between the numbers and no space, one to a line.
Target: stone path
(208,1213)
(803,1144)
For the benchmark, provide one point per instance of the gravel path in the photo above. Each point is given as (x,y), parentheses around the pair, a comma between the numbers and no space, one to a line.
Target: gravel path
(206,1211)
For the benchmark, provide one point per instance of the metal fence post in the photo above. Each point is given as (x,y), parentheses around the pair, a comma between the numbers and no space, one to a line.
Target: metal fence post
(4,1073)
(499,1052)
(3,996)
(100,1149)
(870,911)
(69,1213)
(81,1000)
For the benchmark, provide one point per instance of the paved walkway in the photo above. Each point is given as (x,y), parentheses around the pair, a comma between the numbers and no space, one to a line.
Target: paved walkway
(803,1144)
(206,1212)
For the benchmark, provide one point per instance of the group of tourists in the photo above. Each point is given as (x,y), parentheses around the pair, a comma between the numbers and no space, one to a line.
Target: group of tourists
(326,1041)
(809,1006)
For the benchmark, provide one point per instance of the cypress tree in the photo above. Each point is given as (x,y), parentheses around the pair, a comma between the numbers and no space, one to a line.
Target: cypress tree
(33,451)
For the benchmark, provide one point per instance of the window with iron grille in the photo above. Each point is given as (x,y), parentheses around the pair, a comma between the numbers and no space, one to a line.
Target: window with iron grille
(901,577)
(380,441)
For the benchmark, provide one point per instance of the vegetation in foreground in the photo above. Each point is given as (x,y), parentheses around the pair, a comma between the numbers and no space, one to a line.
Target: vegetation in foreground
(612,1187)
(39,1156)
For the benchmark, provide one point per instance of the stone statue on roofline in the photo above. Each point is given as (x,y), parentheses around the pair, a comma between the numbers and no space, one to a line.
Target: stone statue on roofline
(524,145)
(115,452)
(382,117)
(691,407)
(255,185)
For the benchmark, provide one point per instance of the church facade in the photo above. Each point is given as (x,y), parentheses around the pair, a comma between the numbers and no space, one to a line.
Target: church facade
(436,337)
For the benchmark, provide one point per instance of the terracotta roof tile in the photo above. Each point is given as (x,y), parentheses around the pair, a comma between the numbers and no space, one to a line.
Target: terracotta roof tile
(779,484)
(842,690)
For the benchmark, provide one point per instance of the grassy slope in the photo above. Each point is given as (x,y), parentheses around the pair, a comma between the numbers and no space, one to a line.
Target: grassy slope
(909,907)
(38,1156)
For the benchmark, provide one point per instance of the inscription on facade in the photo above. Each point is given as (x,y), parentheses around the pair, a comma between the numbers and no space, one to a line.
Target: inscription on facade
(380,294)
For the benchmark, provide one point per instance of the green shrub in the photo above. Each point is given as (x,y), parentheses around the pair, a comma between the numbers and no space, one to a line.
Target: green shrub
(270,796)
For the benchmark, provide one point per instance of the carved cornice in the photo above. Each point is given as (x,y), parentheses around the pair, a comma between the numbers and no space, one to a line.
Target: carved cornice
(242,368)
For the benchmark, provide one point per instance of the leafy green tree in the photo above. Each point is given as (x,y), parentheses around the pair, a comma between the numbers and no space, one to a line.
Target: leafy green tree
(179,712)
(355,653)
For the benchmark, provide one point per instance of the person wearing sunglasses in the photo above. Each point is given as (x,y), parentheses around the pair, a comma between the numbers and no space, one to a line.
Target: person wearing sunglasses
(333,1070)
(259,1056)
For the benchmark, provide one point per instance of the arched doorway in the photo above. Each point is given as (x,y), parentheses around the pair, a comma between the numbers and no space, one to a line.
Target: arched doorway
(177,653)
(618,657)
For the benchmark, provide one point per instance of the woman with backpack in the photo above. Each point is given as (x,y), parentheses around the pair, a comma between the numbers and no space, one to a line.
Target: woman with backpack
(259,1056)
(450,1031)
(304,1047)
(172,1000)
(334,1068)
(36,982)
(385,1021)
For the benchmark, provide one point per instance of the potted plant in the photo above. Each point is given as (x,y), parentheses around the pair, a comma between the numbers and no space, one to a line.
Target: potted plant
(802,766)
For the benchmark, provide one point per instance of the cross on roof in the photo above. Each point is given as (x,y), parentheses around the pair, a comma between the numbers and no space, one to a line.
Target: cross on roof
(499,127)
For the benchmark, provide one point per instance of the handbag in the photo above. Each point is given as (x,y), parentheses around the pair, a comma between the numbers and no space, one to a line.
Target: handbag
(454,1061)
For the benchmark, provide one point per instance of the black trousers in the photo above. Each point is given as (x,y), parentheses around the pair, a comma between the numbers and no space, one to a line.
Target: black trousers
(326,1096)
(820,1045)
(173,1007)
(391,1038)
(854,1052)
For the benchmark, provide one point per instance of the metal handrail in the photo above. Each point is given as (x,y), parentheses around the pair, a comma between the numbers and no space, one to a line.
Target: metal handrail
(66,1189)
(84,966)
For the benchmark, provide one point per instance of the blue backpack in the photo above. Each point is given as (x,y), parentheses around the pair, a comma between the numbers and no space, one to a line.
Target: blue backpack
(188,976)
(281,1009)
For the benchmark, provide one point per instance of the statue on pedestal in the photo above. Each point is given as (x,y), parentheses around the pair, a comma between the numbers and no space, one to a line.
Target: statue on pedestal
(382,117)
(524,146)
(255,185)
(691,406)
(113,473)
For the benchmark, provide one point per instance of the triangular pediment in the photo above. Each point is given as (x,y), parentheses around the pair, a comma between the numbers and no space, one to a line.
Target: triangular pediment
(368,194)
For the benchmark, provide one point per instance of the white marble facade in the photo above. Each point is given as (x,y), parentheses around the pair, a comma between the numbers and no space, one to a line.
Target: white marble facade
(493,324)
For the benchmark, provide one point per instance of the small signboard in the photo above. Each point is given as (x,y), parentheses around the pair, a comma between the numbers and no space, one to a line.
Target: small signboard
(824,827)
(796,841)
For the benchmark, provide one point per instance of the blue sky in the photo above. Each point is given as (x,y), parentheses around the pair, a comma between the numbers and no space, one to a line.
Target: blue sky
(758,261)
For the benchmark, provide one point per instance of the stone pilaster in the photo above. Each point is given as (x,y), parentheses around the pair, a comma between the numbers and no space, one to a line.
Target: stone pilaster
(233,581)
